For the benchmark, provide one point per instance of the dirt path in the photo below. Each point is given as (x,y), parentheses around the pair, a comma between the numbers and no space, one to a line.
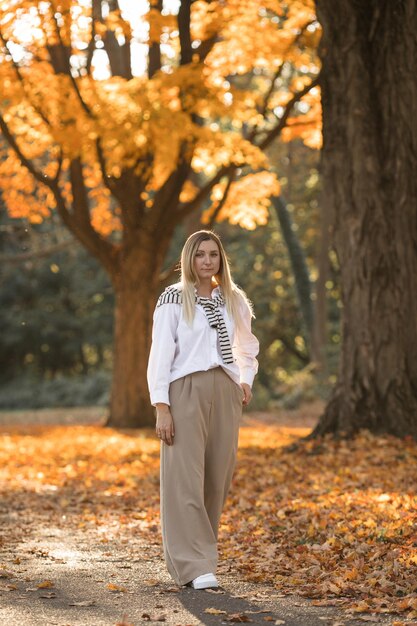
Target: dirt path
(101,584)
(53,572)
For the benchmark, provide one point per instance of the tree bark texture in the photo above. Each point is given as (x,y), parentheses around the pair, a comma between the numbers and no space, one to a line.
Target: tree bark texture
(369,92)
(137,288)
(320,330)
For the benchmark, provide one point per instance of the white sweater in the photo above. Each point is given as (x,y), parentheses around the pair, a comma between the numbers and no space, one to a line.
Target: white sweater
(178,349)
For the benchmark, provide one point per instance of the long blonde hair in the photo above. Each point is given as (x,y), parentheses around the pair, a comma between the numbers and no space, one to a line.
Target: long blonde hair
(189,279)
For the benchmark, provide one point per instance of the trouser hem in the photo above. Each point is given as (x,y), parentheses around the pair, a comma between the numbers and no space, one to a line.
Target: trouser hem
(195,569)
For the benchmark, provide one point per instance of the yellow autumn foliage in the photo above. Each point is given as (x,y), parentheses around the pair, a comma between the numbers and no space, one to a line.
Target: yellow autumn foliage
(65,98)
(247,201)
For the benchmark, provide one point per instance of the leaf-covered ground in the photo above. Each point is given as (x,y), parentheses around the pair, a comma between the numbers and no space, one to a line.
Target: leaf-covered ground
(334,521)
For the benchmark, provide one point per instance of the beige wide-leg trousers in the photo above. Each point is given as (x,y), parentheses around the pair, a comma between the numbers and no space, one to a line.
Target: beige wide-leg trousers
(196,471)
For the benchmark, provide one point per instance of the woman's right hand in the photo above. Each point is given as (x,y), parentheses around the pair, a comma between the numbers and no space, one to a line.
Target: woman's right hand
(164,423)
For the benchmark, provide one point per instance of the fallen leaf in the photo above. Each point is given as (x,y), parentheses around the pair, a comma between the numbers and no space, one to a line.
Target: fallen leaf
(45,584)
(213,611)
(115,588)
(325,519)
(123,622)
(361,607)
(238,617)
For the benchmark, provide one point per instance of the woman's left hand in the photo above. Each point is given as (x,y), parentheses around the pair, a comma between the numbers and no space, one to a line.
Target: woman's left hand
(248,393)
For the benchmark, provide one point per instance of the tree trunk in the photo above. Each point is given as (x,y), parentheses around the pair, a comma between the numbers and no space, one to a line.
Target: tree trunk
(136,288)
(129,405)
(299,268)
(319,334)
(369,92)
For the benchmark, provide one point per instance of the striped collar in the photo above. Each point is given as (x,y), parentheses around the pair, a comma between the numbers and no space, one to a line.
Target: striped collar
(217,291)
(211,307)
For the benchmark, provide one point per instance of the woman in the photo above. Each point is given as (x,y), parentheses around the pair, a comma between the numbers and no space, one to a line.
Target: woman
(201,368)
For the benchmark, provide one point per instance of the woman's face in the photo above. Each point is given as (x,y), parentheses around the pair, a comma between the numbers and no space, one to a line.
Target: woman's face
(207,259)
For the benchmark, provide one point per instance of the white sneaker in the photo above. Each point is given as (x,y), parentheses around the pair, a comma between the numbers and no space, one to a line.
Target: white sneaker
(205,581)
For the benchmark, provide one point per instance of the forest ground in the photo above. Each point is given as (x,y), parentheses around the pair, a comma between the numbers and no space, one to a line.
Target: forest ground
(80,541)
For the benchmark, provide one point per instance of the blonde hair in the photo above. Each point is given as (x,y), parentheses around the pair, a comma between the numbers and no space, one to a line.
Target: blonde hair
(189,279)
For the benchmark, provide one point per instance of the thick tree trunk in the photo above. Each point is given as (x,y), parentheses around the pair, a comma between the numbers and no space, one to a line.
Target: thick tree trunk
(136,289)
(129,405)
(369,92)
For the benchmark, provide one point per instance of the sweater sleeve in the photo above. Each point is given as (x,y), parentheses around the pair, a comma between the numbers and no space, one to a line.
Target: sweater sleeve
(165,323)
(246,346)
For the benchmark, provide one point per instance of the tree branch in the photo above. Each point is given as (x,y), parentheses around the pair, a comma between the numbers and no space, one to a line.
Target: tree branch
(271,89)
(205,47)
(168,195)
(124,189)
(43,178)
(81,211)
(281,67)
(79,223)
(283,119)
(52,183)
(183,19)
(154,56)
(277,74)
(188,207)
(59,168)
(65,54)
(106,252)
(23,83)
(221,204)
(107,180)
(95,17)
(304,358)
